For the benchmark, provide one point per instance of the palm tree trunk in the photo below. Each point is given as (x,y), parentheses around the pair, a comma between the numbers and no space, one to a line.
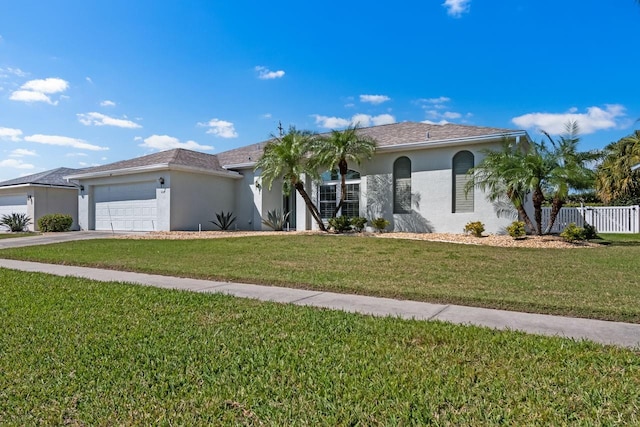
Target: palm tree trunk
(556,205)
(522,213)
(310,205)
(343,167)
(538,199)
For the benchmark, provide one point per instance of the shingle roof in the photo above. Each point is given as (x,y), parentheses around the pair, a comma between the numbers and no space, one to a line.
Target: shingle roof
(177,156)
(50,177)
(385,135)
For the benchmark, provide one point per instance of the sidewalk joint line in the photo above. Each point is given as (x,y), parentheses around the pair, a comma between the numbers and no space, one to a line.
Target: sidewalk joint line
(439,312)
(307,297)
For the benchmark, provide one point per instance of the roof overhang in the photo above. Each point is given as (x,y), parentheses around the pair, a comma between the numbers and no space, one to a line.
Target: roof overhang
(66,187)
(153,168)
(246,165)
(452,142)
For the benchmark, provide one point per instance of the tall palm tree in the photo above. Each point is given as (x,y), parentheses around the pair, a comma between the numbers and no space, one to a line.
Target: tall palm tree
(505,172)
(340,148)
(568,169)
(286,157)
(614,177)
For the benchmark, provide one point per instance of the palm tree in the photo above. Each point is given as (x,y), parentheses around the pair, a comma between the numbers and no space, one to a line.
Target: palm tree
(286,157)
(340,148)
(505,172)
(614,178)
(567,169)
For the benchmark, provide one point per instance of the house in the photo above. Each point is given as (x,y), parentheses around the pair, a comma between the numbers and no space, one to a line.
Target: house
(416,180)
(41,194)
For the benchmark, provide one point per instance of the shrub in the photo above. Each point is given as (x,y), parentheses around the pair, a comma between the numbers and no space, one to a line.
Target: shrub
(516,229)
(572,233)
(224,220)
(590,232)
(15,222)
(475,228)
(340,223)
(379,224)
(276,219)
(358,223)
(55,223)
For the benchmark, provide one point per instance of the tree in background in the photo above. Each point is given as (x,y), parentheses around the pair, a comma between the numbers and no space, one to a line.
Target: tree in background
(285,157)
(616,183)
(337,150)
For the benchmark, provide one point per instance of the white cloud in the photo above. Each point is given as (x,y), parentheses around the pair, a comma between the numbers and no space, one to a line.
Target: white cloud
(430,122)
(107,103)
(5,72)
(21,152)
(266,116)
(88,79)
(98,119)
(64,141)
(439,100)
(374,99)
(166,142)
(39,90)
(49,85)
(266,74)
(593,120)
(15,164)
(362,120)
(456,8)
(76,155)
(451,115)
(220,128)
(9,134)
(436,117)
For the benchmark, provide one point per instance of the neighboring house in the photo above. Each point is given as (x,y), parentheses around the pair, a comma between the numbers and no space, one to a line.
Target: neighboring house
(416,180)
(41,194)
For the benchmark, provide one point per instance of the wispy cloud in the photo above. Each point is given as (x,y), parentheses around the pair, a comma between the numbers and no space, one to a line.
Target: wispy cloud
(22,152)
(15,164)
(98,119)
(10,134)
(374,99)
(9,71)
(39,90)
(456,8)
(266,74)
(363,120)
(166,142)
(107,103)
(220,128)
(593,120)
(64,141)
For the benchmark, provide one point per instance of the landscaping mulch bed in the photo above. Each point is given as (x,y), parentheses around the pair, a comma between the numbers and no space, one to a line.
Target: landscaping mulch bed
(549,241)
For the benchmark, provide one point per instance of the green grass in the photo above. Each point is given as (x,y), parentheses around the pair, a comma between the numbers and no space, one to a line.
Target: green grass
(619,239)
(597,283)
(77,352)
(22,234)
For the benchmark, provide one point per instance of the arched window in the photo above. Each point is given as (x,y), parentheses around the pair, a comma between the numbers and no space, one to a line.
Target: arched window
(462,162)
(402,185)
(329,193)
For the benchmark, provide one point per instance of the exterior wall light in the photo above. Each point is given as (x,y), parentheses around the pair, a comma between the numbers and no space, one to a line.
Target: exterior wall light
(161,180)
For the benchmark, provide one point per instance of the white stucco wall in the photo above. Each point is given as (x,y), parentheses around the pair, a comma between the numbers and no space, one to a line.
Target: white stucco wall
(196,198)
(51,200)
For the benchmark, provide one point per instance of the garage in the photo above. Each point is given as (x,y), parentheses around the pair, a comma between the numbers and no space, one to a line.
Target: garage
(15,203)
(126,207)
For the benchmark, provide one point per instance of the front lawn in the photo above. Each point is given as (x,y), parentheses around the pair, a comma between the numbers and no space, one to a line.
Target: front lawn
(78,352)
(4,235)
(600,283)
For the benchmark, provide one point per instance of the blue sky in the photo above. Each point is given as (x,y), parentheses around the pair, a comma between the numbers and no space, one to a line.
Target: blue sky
(87,83)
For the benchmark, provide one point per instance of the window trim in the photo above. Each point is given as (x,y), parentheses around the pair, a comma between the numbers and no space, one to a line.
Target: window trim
(399,205)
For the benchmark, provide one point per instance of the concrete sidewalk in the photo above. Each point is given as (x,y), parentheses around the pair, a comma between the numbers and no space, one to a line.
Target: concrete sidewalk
(49,238)
(615,333)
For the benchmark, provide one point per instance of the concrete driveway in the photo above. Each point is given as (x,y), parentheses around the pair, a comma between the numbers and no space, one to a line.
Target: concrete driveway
(48,238)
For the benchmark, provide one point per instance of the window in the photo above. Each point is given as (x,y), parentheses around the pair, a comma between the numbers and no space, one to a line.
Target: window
(462,162)
(402,185)
(329,194)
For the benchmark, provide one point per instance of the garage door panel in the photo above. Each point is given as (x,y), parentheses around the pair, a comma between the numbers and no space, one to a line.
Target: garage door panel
(12,204)
(126,207)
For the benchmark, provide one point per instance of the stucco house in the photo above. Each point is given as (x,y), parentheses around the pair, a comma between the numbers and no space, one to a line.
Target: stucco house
(416,180)
(41,194)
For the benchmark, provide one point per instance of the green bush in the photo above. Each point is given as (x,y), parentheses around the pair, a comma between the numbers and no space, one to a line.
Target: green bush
(224,220)
(517,230)
(55,223)
(358,223)
(475,228)
(15,222)
(379,224)
(276,219)
(590,232)
(572,233)
(340,223)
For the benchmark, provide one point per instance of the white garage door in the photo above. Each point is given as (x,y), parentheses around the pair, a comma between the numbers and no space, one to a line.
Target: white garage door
(13,204)
(126,207)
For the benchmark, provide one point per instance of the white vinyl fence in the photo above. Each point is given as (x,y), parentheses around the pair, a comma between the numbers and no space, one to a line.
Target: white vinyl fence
(606,219)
